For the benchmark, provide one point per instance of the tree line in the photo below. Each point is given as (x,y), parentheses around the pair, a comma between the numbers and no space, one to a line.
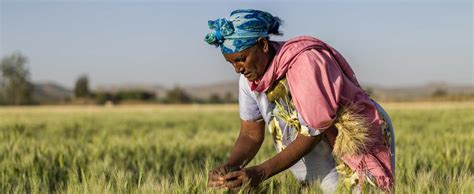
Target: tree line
(16,88)
(176,95)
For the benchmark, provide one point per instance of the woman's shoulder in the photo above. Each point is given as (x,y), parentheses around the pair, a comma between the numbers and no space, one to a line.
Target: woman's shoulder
(294,47)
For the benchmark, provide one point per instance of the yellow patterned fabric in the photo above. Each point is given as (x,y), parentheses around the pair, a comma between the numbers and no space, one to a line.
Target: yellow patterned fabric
(281,97)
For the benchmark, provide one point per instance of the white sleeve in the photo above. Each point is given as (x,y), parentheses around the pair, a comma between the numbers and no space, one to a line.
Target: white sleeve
(312,131)
(248,106)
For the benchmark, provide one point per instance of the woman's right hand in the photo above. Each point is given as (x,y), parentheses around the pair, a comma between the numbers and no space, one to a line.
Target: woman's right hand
(216,176)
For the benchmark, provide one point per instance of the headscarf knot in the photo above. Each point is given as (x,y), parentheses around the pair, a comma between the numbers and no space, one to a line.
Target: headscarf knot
(221,28)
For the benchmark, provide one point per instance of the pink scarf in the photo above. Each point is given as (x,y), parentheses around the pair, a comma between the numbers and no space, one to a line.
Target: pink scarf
(307,103)
(287,52)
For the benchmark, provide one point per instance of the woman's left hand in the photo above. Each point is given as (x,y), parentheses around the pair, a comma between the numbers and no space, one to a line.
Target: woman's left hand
(247,177)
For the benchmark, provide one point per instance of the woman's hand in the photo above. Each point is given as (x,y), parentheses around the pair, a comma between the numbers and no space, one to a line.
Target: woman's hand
(247,177)
(216,176)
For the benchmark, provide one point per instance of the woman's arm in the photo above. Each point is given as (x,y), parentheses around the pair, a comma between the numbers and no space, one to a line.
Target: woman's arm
(248,143)
(290,155)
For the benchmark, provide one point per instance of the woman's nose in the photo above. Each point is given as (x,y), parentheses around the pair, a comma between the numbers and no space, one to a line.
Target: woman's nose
(239,69)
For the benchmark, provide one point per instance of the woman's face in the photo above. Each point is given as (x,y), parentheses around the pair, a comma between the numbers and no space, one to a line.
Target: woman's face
(251,62)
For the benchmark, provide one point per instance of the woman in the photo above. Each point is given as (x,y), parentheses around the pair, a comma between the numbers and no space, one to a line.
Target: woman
(324,126)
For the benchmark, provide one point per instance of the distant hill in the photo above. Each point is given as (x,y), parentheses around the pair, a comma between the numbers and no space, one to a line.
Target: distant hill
(49,92)
(422,91)
(221,89)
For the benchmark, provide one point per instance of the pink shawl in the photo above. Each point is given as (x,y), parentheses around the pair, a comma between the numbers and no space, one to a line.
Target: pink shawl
(320,80)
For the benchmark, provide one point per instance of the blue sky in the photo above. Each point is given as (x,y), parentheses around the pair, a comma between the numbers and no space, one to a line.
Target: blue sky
(389,42)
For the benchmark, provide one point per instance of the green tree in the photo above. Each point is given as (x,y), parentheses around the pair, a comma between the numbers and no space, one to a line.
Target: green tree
(215,99)
(439,92)
(135,94)
(177,95)
(81,88)
(15,84)
(2,86)
(103,97)
(229,98)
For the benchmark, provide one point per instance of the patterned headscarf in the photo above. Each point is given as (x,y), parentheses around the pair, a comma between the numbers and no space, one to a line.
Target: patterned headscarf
(241,30)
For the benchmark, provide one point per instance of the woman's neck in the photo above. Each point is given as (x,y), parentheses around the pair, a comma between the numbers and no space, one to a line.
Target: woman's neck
(271,53)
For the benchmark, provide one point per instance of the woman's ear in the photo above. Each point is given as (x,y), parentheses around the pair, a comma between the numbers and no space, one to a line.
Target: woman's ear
(265,44)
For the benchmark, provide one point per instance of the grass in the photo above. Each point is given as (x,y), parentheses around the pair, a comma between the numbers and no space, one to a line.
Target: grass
(170,149)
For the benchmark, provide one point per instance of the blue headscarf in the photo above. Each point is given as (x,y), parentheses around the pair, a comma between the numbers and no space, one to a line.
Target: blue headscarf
(241,30)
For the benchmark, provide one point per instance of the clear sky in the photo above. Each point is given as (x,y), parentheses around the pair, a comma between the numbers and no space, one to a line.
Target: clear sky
(387,42)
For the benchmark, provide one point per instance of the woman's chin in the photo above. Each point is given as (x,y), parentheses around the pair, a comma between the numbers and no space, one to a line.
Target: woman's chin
(251,78)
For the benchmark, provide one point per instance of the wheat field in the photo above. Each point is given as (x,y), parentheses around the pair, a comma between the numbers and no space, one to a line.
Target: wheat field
(170,149)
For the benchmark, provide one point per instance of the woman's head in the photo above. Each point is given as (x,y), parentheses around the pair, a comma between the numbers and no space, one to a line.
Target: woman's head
(243,38)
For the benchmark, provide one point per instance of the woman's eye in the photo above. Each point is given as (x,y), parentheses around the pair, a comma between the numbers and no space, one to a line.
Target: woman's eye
(240,59)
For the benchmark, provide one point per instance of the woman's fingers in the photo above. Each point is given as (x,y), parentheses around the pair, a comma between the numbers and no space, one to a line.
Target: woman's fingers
(234,183)
(232,175)
(216,184)
(216,178)
(236,179)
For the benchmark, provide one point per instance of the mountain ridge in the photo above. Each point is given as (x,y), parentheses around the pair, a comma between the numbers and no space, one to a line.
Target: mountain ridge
(51,91)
